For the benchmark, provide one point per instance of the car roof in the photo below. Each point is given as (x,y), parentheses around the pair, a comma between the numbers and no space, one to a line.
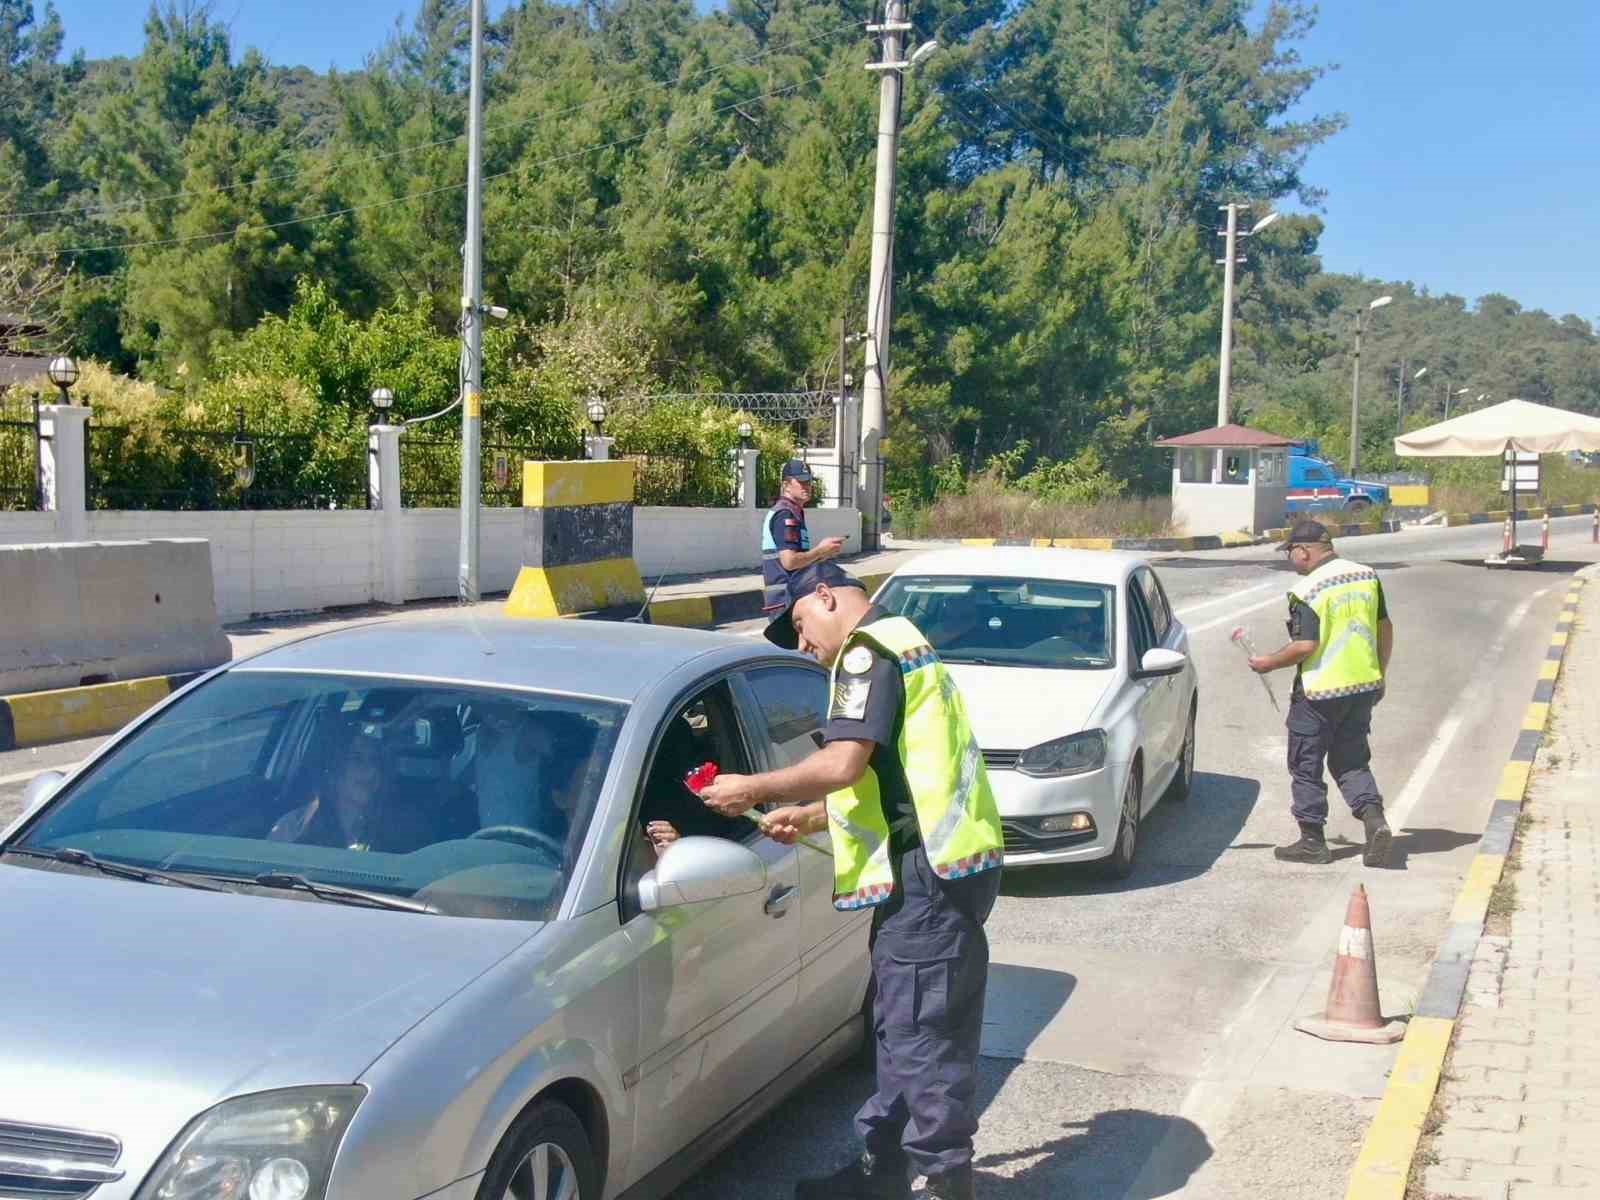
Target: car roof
(1078,566)
(611,660)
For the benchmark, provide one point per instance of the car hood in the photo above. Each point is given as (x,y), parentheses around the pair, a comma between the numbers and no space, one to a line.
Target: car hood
(1012,708)
(131,1007)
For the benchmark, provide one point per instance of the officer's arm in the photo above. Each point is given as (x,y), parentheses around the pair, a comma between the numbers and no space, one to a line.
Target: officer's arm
(1291,655)
(799,560)
(830,769)
(1385,644)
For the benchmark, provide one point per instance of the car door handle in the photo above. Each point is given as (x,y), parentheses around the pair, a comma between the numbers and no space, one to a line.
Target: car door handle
(778,902)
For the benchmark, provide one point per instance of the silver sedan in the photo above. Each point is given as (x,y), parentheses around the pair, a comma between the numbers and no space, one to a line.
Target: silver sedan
(375,915)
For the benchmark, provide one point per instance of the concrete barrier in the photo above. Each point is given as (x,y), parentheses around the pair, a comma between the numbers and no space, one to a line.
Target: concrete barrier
(92,612)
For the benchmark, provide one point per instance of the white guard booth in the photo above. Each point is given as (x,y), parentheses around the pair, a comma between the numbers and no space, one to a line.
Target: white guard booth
(1510,431)
(1228,479)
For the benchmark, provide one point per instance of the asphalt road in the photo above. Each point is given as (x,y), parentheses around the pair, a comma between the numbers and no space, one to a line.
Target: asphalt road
(1137,1039)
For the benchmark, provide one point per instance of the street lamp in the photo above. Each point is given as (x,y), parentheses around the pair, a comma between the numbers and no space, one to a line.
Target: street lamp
(1229,260)
(383,401)
(1449,396)
(244,453)
(1264,222)
(63,372)
(597,415)
(1355,387)
(1400,397)
(746,430)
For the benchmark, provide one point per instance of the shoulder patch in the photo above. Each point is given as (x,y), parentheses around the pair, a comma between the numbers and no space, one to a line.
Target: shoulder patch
(857,661)
(850,699)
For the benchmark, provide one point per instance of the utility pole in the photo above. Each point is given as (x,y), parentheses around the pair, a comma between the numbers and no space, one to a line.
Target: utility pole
(472,314)
(1400,396)
(1229,259)
(880,281)
(1355,401)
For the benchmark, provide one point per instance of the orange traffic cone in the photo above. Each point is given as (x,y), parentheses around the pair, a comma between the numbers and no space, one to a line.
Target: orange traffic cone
(1353,1014)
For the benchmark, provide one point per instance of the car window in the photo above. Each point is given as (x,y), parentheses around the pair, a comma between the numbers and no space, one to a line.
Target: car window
(794,706)
(473,800)
(1009,622)
(1318,475)
(1141,631)
(1155,604)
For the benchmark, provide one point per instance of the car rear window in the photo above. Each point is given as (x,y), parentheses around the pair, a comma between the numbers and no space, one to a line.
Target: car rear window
(473,800)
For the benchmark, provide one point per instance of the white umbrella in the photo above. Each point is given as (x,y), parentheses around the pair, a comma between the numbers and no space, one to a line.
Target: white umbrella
(1509,425)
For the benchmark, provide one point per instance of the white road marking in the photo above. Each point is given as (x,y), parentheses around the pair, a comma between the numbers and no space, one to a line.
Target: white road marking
(1183,614)
(1231,618)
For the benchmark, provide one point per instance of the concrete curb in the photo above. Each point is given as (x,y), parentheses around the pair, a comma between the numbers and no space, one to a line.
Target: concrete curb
(39,718)
(1383,1168)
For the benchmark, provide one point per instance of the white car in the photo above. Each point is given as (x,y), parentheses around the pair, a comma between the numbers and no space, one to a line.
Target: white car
(1079,685)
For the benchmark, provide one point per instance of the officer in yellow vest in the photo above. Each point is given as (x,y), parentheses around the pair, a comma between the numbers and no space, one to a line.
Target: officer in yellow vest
(916,837)
(1340,641)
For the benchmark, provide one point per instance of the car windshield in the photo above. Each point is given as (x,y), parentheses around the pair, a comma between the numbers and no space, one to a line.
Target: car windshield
(1009,622)
(471,801)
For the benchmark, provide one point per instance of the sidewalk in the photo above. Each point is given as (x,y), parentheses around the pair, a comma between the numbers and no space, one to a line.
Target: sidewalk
(1519,1104)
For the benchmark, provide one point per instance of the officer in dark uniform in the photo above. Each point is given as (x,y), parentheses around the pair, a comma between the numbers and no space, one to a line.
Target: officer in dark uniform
(922,846)
(785,540)
(1340,639)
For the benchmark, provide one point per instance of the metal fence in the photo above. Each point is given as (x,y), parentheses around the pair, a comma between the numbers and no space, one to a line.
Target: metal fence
(683,480)
(209,470)
(430,468)
(19,456)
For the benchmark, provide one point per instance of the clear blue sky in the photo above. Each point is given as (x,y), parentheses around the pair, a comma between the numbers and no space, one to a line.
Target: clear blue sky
(1470,164)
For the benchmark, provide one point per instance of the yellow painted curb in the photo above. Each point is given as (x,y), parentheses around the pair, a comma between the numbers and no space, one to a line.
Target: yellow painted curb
(1472,904)
(1513,781)
(1385,1159)
(542,592)
(1083,543)
(1549,669)
(1559,640)
(1537,716)
(80,712)
(690,612)
(978,541)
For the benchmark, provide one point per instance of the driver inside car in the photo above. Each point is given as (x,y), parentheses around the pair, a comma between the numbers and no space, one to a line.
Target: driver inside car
(530,773)
(344,807)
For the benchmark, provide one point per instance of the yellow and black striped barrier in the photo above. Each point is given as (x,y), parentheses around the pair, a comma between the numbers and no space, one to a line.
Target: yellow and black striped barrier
(577,541)
(63,714)
(1384,1165)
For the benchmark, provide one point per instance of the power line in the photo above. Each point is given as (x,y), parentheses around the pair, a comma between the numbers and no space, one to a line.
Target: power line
(143,201)
(453,187)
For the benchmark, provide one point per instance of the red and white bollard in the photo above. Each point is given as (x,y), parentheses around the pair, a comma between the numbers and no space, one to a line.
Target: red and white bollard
(1505,538)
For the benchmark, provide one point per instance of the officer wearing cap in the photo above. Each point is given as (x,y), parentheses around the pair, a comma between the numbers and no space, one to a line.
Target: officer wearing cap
(1340,639)
(785,540)
(916,836)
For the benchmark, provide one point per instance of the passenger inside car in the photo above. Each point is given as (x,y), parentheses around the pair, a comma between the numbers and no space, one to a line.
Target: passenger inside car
(669,810)
(530,772)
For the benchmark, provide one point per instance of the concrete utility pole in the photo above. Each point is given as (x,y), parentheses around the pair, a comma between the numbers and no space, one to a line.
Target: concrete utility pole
(1229,260)
(1355,385)
(472,314)
(880,281)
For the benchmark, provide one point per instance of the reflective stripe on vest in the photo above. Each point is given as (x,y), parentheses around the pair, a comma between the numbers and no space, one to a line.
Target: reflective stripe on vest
(955,807)
(1344,595)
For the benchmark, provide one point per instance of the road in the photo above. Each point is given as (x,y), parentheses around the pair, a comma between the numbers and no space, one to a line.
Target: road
(1137,1039)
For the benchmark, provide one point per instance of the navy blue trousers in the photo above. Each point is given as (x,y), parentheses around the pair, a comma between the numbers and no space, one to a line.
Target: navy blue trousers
(1336,732)
(930,960)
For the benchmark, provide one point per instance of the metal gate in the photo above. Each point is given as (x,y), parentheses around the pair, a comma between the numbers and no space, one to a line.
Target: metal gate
(21,485)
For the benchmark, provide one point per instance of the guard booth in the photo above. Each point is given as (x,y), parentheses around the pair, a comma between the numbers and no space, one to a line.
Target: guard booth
(1228,479)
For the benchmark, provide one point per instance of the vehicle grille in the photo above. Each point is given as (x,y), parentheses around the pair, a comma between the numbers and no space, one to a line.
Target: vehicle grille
(1018,840)
(41,1162)
(1001,760)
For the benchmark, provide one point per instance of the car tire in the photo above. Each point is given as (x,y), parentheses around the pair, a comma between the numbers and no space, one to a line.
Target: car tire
(1359,505)
(1119,863)
(547,1138)
(1182,784)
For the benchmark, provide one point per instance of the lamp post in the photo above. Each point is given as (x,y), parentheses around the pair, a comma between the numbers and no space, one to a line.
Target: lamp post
(244,455)
(1400,399)
(63,372)
(1355,386)
(1229,260)
(383,401)
(596,412)
(746,431)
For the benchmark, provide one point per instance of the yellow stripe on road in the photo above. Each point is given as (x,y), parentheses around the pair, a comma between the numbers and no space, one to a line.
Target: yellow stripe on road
(1385,1159)
(1472,905)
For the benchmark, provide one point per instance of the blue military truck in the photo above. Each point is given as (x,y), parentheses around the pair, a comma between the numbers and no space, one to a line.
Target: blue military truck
(1316,485)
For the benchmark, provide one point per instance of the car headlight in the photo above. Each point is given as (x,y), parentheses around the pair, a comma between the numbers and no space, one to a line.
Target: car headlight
(269,1146)
(1072,755)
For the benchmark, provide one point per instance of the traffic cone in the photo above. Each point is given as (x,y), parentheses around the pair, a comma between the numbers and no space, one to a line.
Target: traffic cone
(1352,1014)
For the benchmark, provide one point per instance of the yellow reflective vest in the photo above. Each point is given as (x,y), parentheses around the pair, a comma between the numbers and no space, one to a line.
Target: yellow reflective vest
(1344,595)
(955,807)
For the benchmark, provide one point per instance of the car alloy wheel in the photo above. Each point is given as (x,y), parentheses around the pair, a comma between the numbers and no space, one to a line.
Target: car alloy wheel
(1119,864)
(546,1174)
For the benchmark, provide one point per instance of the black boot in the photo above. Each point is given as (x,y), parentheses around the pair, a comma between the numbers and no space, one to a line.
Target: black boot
(1311,848)
(1379,836)
(870,1177)
(952,1185)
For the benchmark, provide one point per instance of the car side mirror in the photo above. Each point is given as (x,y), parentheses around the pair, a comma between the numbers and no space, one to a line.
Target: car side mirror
(695,869)
(40,788)
(1159,663)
